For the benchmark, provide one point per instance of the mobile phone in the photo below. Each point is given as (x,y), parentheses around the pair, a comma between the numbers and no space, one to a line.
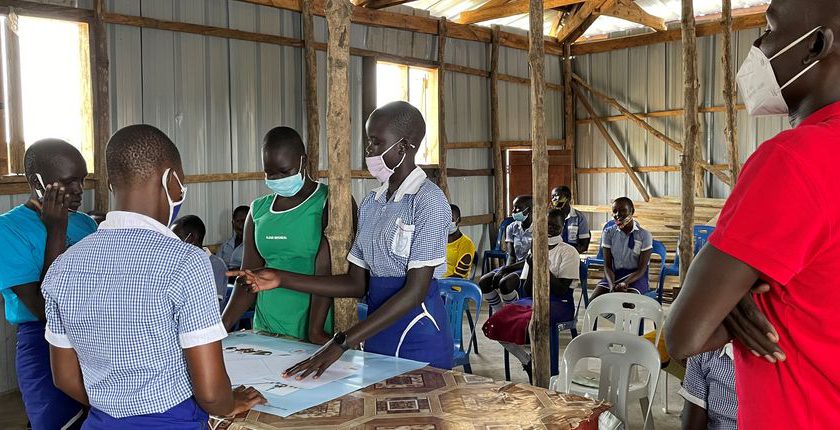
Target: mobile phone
(37,191)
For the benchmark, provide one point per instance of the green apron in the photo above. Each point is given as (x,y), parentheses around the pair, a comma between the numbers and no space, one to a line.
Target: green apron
(288,241)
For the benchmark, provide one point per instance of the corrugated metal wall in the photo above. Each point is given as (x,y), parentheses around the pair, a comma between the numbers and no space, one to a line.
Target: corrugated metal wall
(650,78)
(216,98)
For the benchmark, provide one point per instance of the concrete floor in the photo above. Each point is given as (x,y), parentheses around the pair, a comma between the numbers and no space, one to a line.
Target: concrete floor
(489,363)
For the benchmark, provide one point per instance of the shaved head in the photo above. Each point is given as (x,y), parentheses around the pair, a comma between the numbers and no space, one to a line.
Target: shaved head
(138,153)
(46,154)
(400,119)
(284,153)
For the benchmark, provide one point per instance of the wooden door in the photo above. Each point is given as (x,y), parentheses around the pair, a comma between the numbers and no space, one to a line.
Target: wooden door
(519,173)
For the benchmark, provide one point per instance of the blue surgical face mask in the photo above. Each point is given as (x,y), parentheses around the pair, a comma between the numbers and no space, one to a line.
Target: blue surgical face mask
(288,186)
(174,207)
(519,216)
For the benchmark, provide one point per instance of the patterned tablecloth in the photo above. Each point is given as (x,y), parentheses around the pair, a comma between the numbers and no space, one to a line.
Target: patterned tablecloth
(432,399)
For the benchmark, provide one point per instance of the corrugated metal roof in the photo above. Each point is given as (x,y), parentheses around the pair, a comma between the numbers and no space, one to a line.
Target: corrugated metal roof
(667,9)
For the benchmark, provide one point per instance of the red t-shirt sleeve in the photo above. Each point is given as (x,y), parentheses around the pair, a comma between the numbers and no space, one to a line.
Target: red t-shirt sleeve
(773,221)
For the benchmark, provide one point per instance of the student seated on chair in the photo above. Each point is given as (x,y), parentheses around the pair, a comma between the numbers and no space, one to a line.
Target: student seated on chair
(460,249)
(191,229)
(501,284)
(511,324)
(285,231)
(709,391)
(231,251)
(627,249)
(132,317)
(576,228)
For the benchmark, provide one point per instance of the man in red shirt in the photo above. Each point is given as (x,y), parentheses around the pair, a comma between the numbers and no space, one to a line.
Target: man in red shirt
(781,227)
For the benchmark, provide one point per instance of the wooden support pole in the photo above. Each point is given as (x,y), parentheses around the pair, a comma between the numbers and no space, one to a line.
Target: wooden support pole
(443,180)
(17,146)
(313,118)
(340,229)
(569,121)
(101,109)
(4,143)
(729,95)
(691,86)
(643,124)
(540,344)
(614,146)
(498,161)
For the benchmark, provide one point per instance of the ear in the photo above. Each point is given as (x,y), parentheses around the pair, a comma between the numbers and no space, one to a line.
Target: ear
(821,47)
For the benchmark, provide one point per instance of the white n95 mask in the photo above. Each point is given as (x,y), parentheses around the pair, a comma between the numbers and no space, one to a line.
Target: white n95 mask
(758,85)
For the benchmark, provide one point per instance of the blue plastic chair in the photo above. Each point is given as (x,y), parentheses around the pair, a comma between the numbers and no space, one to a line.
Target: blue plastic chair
(701,236)
(496,253)
(554,339)
(599,259)
(659,249)
(361,310)
(456,294)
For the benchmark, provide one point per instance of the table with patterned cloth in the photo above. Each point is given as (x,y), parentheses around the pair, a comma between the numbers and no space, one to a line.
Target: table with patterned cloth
(433,399)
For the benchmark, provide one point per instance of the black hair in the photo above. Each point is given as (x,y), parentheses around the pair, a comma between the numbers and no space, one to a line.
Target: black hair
(455,210)
(239,209)
(192,224)
(564,190)
(137,152)
(45,154)
(404,120)
(625,201)
(283,137)
(526,200)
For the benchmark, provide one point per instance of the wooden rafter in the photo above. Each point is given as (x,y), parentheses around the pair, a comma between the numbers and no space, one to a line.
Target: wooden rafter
(380,4)
(578,23)
(517,7)
(628,10)
(628,168)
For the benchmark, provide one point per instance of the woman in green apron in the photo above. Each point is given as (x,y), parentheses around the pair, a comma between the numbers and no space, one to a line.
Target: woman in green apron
(284,231)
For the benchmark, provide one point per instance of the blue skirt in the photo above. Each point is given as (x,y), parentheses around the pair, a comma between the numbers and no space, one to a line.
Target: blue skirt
(422,334)
(186,415)
(47,407)
(640,285)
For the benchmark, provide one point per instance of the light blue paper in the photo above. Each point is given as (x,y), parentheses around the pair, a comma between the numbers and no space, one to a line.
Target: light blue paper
(375,368)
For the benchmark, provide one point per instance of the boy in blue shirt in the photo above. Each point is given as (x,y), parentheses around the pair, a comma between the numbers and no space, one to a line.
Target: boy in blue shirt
(32,235)
(132,317)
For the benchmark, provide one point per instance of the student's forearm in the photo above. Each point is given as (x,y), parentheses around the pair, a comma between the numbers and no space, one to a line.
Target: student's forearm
(67,374)
(323,285)
(318,309)
(559,287)
(409,297)
(56,242)
(511,256)
(583,245)
(240,302)
(30,295)
(694,417)
(210,381)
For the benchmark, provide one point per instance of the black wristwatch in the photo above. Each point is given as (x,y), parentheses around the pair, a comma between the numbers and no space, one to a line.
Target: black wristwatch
(340,339)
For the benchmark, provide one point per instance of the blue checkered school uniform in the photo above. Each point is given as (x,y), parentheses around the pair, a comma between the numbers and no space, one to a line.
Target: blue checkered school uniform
(128,299)
(407,231)
(710,383)
(626,250)
(575,228)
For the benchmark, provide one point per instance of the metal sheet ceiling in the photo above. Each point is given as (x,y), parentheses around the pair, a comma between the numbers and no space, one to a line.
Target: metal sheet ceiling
(667,9)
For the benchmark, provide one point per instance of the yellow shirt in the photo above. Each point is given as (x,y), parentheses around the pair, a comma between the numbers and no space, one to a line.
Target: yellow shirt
(455,251)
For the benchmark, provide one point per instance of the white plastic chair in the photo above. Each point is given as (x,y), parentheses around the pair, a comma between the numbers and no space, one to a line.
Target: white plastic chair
(618,352)
(630,311)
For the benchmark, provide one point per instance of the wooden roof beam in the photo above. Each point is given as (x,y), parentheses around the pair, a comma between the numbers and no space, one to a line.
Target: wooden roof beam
(380,4)
(517,7)
(628,10)
(582,19)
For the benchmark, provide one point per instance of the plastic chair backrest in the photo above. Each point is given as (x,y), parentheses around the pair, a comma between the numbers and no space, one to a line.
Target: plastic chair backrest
(630,311)
(701,236)
(497,246)
(618,353)
(584,282)
(659,249)
(600,255)
(456,292)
